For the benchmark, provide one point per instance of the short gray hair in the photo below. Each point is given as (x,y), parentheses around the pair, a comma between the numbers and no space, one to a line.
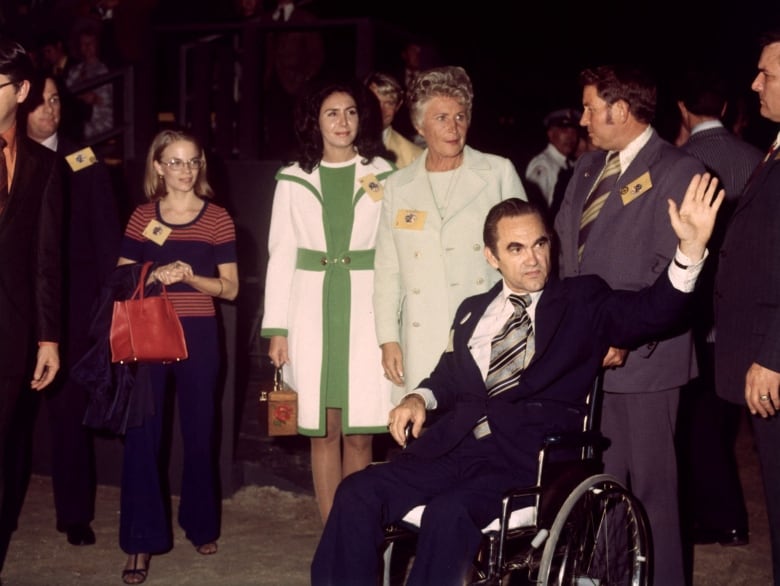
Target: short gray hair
(449,82)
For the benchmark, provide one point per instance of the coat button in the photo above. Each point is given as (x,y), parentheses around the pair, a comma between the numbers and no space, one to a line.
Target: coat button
(346,260)
(480,281)
(477,247)
(417,254)
(416,291)
(416,324)
(324,261)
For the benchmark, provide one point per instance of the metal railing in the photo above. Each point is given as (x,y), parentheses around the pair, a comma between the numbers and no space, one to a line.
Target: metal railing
(123,125)
(219,92)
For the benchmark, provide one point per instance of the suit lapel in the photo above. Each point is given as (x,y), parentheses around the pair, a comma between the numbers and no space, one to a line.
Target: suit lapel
(756,182)
(463,329)
(549,314)
(20,172)
(419,189)
(469,183)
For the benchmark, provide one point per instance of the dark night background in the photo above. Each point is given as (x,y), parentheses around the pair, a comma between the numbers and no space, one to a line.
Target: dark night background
(524,57)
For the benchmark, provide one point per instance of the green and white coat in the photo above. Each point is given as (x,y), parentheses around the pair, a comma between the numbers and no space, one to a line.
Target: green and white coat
(319,289)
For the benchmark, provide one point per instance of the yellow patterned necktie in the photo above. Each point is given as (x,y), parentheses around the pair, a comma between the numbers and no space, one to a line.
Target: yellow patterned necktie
(597,198)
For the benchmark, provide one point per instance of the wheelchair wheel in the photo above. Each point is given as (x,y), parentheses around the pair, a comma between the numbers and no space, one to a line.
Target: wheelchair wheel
(598,538)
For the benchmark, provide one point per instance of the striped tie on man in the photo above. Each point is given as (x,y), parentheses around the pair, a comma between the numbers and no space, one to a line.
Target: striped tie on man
(597,198)
(509,348)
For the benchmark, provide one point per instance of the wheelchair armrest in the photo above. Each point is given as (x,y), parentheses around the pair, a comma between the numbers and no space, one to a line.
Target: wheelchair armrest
(578,439)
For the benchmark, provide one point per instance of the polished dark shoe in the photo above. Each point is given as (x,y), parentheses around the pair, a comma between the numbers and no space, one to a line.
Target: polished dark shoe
(78,534)
(726,537)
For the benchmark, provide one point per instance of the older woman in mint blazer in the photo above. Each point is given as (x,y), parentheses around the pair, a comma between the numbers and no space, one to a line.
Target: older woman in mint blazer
(429,246)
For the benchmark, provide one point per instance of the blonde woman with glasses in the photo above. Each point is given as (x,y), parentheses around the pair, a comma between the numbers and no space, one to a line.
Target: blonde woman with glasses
(192,242)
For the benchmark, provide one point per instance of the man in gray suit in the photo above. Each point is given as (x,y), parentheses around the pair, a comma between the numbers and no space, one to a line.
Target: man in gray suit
(707,424)
(747,289)
(612,223)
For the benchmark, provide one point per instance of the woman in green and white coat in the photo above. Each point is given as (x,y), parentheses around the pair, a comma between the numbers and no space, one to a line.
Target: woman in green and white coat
(319,286)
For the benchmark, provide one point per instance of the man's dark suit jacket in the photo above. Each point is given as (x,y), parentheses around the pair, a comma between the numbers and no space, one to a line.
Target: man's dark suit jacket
(576,321)
(30,265)
(747,285)
(92,231)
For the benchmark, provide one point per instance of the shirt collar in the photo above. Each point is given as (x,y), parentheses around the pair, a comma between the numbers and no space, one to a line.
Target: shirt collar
(628,154)
(556,154)
(506,292)
(706,125)
(51,142)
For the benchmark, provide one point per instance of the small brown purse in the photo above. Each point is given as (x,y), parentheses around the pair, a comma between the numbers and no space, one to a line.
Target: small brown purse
(146,329)
(278,408)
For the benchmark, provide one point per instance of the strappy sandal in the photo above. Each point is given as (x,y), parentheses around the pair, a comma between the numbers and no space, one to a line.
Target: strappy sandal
(135,574)
(209,548)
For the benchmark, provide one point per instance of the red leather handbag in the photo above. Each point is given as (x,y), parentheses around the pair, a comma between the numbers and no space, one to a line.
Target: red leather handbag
(146,329)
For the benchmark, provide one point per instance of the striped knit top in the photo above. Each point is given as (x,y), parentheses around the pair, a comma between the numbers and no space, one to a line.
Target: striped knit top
(205,242)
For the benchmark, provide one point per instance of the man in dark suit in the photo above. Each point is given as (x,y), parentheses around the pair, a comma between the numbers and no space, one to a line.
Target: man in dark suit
(30,267)
(708,425)
(486,440)
(747,289)
(92,232)
(619,232)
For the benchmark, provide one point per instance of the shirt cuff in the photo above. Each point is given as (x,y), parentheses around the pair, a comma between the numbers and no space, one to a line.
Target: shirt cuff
(427,396)
(683,272)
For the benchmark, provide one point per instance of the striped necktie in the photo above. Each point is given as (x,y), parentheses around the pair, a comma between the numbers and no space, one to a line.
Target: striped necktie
(509,348)
(597,198)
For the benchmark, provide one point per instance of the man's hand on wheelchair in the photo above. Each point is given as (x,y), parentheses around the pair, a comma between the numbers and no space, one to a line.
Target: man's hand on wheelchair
(411,409)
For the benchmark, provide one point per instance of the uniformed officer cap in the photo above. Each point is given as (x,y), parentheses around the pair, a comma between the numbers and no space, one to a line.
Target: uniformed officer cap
(566,117)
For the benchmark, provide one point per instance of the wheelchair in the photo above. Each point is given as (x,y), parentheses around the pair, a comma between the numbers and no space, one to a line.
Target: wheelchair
(585,527)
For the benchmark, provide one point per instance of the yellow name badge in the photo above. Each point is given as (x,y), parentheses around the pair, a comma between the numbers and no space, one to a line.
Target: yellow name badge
(157,232)
(410,220)
(636,188)
(81,159)
(372,187)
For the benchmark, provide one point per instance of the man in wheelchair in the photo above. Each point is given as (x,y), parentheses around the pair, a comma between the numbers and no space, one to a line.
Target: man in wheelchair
(493,404)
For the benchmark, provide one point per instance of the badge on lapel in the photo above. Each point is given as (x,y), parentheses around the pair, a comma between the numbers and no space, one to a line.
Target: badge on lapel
(372,187)
(636,188)
(81,159)
(410,219)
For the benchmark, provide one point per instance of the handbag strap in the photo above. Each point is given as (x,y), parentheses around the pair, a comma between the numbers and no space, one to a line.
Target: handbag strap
(278,382)
(139,290)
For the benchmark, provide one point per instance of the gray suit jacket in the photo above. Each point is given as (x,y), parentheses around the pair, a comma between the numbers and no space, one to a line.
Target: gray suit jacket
(629,245)
(726,155)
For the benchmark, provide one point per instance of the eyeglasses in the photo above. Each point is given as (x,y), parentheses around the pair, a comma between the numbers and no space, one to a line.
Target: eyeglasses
(2,85)
(178,164)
